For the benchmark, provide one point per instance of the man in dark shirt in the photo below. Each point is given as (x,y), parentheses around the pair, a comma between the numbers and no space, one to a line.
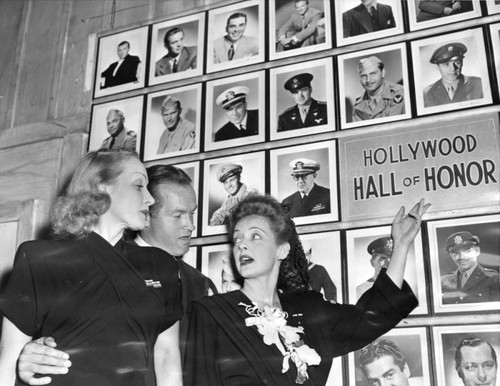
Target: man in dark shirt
(367,17)
(125,70)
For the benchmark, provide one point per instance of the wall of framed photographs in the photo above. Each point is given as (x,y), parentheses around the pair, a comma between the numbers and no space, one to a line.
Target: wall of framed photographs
(371,151)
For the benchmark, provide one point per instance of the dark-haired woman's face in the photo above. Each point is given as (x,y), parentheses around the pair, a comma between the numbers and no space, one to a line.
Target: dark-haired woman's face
(255,248)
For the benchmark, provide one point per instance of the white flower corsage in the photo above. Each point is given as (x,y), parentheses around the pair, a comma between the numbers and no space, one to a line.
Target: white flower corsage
(271,324)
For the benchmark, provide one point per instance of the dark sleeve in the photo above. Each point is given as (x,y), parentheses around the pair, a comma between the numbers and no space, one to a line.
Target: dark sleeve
(18,300)
(328,286)
(173,298)
(391,17)
(432,7)
(346,24)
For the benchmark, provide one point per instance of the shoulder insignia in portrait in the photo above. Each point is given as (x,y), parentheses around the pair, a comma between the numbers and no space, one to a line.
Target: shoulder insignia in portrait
(318,120)
(398,98)
(318,207)
(132,133)
(192,133)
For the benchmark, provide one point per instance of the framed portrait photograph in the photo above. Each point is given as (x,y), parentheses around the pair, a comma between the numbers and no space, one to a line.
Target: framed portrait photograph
(173,122)
(467,354)
(325,271)
(451,72)
(191,257)
(236,35)
(361,21)
(369,250)
(304,178)
(400,357)
(335,377)
(299,27)
(236,111)
(226,182)
(432,13)
(192,169)
(121,62)
(375,87)
(177,49)
(493,6)
(216,265)
(465,261)
(302,100)
(495,39)
(117,124)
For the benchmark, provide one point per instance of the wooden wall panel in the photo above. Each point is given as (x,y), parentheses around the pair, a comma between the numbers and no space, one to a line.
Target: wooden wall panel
(130,12)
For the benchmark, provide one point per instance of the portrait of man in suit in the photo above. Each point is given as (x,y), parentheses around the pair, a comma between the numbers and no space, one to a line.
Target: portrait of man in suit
(307,111)
(470,282)
(179,57)
(235,44)
(369,16)
(476,362)
(242,122)
(453,86)
(301,29)
(310,198)
(125,70)
(434,9)
(119,136)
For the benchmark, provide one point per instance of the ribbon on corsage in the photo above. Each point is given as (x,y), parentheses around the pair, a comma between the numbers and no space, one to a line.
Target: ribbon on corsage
(272,325)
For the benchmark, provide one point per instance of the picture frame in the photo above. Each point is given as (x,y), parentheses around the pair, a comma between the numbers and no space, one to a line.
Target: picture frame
(159,142)
(476,294)
(428,79)
(187,33)
(495,40)
(111,76)
(216,262)
(413,345)
(448,338)
(251,49)
(285,116)
(192,169)
(322,206)
(285,20)
(392,81)
(125,115)
(250,178)
(191,257)
(493,6)
(361,270)
(221,123)
(429,14)
(353,22)
(336,376)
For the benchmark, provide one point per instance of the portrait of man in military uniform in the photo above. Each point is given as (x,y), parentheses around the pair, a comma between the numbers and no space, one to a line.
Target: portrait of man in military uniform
(119,136)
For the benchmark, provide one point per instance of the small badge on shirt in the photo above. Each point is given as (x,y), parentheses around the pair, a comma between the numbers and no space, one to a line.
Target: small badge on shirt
(152,283)
(398,99)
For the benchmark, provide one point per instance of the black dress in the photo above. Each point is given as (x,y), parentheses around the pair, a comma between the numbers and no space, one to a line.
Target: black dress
(105,306)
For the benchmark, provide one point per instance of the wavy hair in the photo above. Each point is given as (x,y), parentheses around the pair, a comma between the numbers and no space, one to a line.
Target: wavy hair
(293,276)
(378,349)
(76,212)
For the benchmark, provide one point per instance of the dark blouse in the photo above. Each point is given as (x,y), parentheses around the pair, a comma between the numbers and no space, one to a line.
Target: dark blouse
(103,305)
(221,350)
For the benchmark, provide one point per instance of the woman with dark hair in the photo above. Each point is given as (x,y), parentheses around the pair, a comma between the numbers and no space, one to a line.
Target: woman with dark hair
(274,331)
(113,306)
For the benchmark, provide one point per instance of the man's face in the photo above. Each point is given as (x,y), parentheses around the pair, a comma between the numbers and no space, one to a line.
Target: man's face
(384,372)
(123,50)
(302,96)
(175,43)
(304,182)
(229,282)
(379,261)
(371,77)
(465,259)
(301,7)
(236,28)
(450,71)
(478,367)
(170,115)
(174,222)
(114,123)
(232,184)
(236,112)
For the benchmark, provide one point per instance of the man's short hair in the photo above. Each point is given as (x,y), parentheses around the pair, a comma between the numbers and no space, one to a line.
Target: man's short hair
(378,349)
(170,101)
(235,16)
(171,32)
(300,1)
(124,42)
(362,62)
(164,174)
(471,342)
(117,112)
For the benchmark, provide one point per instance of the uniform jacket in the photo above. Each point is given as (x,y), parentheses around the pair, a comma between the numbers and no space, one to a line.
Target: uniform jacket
(126,139)
(293,27)
(317,202)
(182,138)
(482,286)
(319,279)
(221,215)
(357,21)
(432,9)
(127,72)
(316,116)
(390,104)
(186,60)
(468,88)
(230,131)
(247,46)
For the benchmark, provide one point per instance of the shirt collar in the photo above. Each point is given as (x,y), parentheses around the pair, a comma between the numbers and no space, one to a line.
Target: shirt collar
(140,241)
